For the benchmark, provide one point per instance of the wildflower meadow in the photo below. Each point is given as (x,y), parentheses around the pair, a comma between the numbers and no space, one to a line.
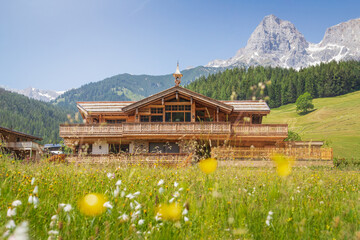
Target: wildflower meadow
(203,201)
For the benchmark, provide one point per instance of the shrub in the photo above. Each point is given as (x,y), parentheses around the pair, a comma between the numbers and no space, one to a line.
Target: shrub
(61,158)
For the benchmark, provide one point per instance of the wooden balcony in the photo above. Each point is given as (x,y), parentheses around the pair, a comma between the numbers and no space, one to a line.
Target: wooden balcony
(172,129)
(23,145)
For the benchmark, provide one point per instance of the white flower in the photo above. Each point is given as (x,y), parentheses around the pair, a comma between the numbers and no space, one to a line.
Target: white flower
(116,192)
(108,205)
(32,181)
(141,221)
(16,203)
(130,196)
(271,213)
(122,194)
(30,200)
(176,184)
(35,201)
(321,202)
(138,206)
(21,232)
(67,208)
(62,205)
(53,232)
(180,189)
(176,194)
(185,212)
(54,217)
(136,194)
(10,224)
(124,217)
(110,175)
(118,183)
(161,182)
(11,212)
(267,222)
(171,200)
(161,190)
(186,219)
(36,190)
(158,217)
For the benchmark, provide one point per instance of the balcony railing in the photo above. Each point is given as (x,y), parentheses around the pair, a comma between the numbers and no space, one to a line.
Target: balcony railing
(138,129)
(22,145)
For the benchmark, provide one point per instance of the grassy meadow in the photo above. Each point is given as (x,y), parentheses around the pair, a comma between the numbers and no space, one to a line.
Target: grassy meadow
(335,120)
(229,203)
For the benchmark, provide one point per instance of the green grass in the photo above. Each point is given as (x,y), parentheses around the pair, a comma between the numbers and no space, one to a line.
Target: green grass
(335,120)
(231,203)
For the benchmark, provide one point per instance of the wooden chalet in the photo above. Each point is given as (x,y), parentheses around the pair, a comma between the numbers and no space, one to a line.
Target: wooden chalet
(161,123)
(21,145)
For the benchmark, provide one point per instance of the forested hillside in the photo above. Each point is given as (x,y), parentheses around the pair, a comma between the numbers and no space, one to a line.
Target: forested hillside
(280,86)
(31,116)
(126,87)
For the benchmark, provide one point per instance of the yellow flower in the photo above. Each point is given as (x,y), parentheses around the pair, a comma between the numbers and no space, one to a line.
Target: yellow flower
(92,204)
(208,165)
(283,164)
(170,211)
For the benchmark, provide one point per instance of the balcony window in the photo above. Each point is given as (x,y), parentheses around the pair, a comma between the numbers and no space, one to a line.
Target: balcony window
(177,117)
(115,121)
(157,118)
(144,118)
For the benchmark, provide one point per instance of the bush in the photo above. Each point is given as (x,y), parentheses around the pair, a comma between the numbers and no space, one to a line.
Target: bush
(293,136)
(343,162)
(61,158)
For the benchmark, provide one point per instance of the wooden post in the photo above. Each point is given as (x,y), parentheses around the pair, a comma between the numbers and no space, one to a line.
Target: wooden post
(217,114)
(193,110)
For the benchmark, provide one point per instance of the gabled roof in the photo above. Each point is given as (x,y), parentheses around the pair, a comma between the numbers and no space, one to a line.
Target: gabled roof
(180,90)
(10,131)
(252,106)
(88,107)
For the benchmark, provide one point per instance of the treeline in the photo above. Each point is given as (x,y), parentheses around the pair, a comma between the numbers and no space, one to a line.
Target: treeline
(279,86)
(31,116)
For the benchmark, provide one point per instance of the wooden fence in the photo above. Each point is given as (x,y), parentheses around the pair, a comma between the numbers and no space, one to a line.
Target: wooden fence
(133,159)
(306,153)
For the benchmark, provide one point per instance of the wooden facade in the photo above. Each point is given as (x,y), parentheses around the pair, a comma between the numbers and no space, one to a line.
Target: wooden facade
(21,145)
(162,122)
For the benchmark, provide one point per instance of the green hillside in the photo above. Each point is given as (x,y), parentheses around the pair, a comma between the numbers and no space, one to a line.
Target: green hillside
(126,87)
(31,116)
(335,120)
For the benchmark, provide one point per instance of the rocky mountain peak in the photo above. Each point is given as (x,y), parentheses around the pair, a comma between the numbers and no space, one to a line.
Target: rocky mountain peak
(277,42)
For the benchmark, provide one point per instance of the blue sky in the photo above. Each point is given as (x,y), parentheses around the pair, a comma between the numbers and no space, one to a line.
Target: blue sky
(63,44)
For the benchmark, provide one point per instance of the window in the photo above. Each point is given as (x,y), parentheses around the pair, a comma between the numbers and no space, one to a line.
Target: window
(177,117)
(187,117)
(156,110)
(157,118)
(115,121)
(168,117)
(177,113)
(144,118)
(162,147)
(118,148)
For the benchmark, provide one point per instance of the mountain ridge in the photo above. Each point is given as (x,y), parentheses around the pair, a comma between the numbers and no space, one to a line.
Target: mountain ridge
(277,43)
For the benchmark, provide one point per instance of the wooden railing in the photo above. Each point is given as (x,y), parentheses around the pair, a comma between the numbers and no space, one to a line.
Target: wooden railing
(133,159)
(22,145)
(307,153)
(128,129)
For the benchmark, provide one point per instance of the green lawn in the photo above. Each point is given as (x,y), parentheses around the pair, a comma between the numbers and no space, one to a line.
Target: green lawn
(335,120)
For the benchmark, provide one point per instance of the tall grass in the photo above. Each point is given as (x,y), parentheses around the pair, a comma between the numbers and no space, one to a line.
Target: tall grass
(231,203)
